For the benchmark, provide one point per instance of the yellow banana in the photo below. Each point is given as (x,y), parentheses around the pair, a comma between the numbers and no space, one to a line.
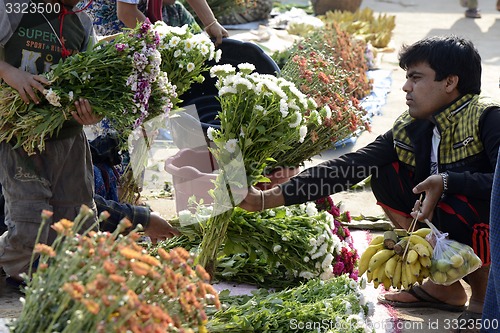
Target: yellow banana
(381,273)
(421,250)
(390,265)
(396,278)
(415,268)
(416,239)
(425,261)
(410,278)
(369,276)
(422,232)
(379,258)
(387,283)
(377,240)
(424,272)
(411,256)
(404,277)
(366,256)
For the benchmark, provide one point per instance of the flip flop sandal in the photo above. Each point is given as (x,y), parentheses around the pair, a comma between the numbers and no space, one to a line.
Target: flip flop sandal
(469,322)
(424,300)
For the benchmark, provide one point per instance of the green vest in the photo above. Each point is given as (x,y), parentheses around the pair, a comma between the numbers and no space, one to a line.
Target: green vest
(459,128)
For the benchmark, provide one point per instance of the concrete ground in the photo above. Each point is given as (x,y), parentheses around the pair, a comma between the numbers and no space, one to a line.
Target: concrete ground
(415,19)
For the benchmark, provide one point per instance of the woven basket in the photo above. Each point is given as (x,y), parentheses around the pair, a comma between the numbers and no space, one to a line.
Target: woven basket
(322,6)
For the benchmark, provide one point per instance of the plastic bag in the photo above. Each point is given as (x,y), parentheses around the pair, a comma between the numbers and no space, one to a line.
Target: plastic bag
(451,260)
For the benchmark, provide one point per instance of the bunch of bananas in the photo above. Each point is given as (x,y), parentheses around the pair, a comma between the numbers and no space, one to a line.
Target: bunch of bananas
(397,258)
(457,261)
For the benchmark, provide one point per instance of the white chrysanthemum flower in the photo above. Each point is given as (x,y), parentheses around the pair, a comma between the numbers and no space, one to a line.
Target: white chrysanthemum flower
(296,120)
(276,248)
(180,31)
(327,261)
(326,275)
(71,95)
(185,217)
(246,67)
(306,275)
(222,70)
(190,67)
(311,209)
(271,213)
(227,90)
(218,55)
(348,307)
(210,133)
(188,45)
(283,108)
(328,111)
(231,145)
(284,239)
(353,285)
(52,97)
(302,133)
(177,53)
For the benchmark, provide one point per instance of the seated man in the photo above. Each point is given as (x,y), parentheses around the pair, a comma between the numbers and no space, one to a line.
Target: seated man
(445,146)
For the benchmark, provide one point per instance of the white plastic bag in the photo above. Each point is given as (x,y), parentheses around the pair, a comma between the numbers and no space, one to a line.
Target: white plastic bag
(451,260)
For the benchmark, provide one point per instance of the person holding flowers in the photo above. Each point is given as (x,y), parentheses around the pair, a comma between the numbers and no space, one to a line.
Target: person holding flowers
(111,16)
(444,146)
(60,178)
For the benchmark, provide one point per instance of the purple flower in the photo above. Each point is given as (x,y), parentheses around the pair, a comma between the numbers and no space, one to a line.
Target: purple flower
(120,47)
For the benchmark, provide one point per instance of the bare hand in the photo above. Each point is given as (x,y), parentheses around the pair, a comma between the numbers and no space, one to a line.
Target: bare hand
(217,31)
(83,114)
(433,188)
(25,83)
(159,229)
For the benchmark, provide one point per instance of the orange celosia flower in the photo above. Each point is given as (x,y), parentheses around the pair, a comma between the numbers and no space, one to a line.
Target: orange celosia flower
(140,268)
(117,278)
(109,267)
(91,306)
(45,249)
(63,227)
(150,260)
(202,273)
(130,253)
(74,289)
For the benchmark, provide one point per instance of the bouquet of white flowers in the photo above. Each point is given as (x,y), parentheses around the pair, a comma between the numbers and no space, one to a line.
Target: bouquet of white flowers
(261,117)
(184,54)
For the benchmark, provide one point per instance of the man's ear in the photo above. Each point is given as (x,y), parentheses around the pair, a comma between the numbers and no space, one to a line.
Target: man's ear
(451,82)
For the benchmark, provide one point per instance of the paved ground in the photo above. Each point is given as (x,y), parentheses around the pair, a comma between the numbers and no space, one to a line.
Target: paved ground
(415,19)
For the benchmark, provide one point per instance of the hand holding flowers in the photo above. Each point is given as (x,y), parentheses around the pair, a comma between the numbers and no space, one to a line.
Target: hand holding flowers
(116,77)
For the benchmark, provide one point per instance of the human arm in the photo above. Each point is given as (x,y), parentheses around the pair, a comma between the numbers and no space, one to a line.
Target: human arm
(326,178)
(129,13)
(154,225)
(212,27)
(24,82)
